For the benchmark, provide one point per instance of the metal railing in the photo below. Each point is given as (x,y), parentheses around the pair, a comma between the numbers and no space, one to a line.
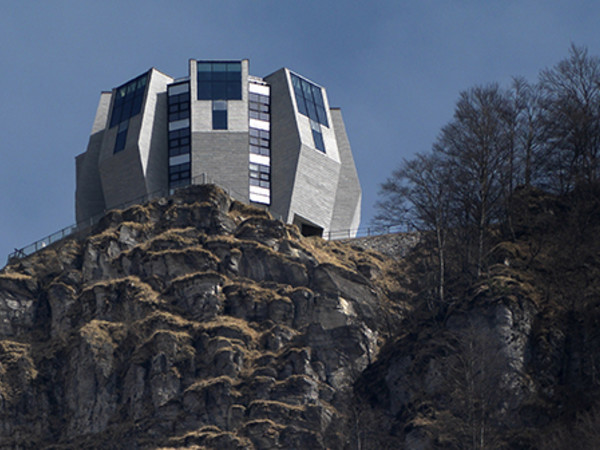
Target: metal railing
(198,180)
(43,243)
(352,233)
(67,231)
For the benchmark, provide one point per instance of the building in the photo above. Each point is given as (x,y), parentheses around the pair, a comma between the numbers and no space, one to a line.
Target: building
(271,141)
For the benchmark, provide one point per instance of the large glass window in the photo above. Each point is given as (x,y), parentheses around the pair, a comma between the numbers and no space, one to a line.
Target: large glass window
(219,80)
(309,98)
(128,100)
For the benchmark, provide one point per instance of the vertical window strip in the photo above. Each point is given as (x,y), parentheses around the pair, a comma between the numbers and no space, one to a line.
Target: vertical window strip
(259,106)
(219,115)
(179,137)
(121,138)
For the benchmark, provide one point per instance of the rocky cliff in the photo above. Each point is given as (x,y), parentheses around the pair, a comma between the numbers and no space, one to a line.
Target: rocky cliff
(199,322)
(188,321)
(511,360)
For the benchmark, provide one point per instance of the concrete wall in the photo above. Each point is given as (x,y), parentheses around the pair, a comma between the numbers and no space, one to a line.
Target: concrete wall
(89,198)
(102,112)
(346,212)
(122,173)
(285,144)
(223,156)
(152,138)
(315,187)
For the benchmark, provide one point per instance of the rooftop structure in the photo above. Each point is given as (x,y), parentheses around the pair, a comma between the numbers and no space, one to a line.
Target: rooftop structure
(271,141)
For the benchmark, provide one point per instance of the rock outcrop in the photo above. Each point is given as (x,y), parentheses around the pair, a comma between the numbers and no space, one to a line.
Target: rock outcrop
(511,360)
(188,321)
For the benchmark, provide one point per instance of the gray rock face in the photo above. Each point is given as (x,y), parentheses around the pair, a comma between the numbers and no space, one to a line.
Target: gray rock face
(478,369)
(17,304)
(486,337)
(192,321)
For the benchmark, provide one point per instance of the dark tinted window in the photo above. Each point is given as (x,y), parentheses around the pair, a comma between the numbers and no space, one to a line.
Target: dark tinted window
(219,120)
(179,173)
(128,100)
(219,80)
(120,141)
(179,140)
(121,136)
(309,98)
(317,135)
(219,115)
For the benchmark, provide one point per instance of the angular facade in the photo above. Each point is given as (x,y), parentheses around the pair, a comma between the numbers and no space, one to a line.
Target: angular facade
(271,141)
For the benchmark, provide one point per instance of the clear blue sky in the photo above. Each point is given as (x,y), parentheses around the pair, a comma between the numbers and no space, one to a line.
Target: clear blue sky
(395,68)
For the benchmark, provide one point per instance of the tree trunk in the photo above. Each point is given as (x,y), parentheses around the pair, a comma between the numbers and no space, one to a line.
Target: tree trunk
(441,256)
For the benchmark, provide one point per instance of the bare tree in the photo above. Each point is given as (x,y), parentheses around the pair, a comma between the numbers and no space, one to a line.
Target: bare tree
(476,145)
(419,194)
(476,381)
(571,119)
(528,140)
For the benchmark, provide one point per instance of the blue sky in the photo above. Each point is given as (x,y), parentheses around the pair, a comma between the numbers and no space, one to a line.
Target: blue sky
(395,68)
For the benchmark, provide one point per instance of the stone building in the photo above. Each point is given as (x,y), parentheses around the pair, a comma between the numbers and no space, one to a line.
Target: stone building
(271,141)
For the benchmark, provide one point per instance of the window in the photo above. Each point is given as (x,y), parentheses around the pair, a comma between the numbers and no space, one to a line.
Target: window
(259,114)
(259,107)
(309,98)
(128,100)
(260,141)
(179,175)
(121,136)
(317,136)
(179,111)
(219,115)
(179,135)
(127,103)
(260,175)
(219,80)
(177,89)
(179,102)
(179,142)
